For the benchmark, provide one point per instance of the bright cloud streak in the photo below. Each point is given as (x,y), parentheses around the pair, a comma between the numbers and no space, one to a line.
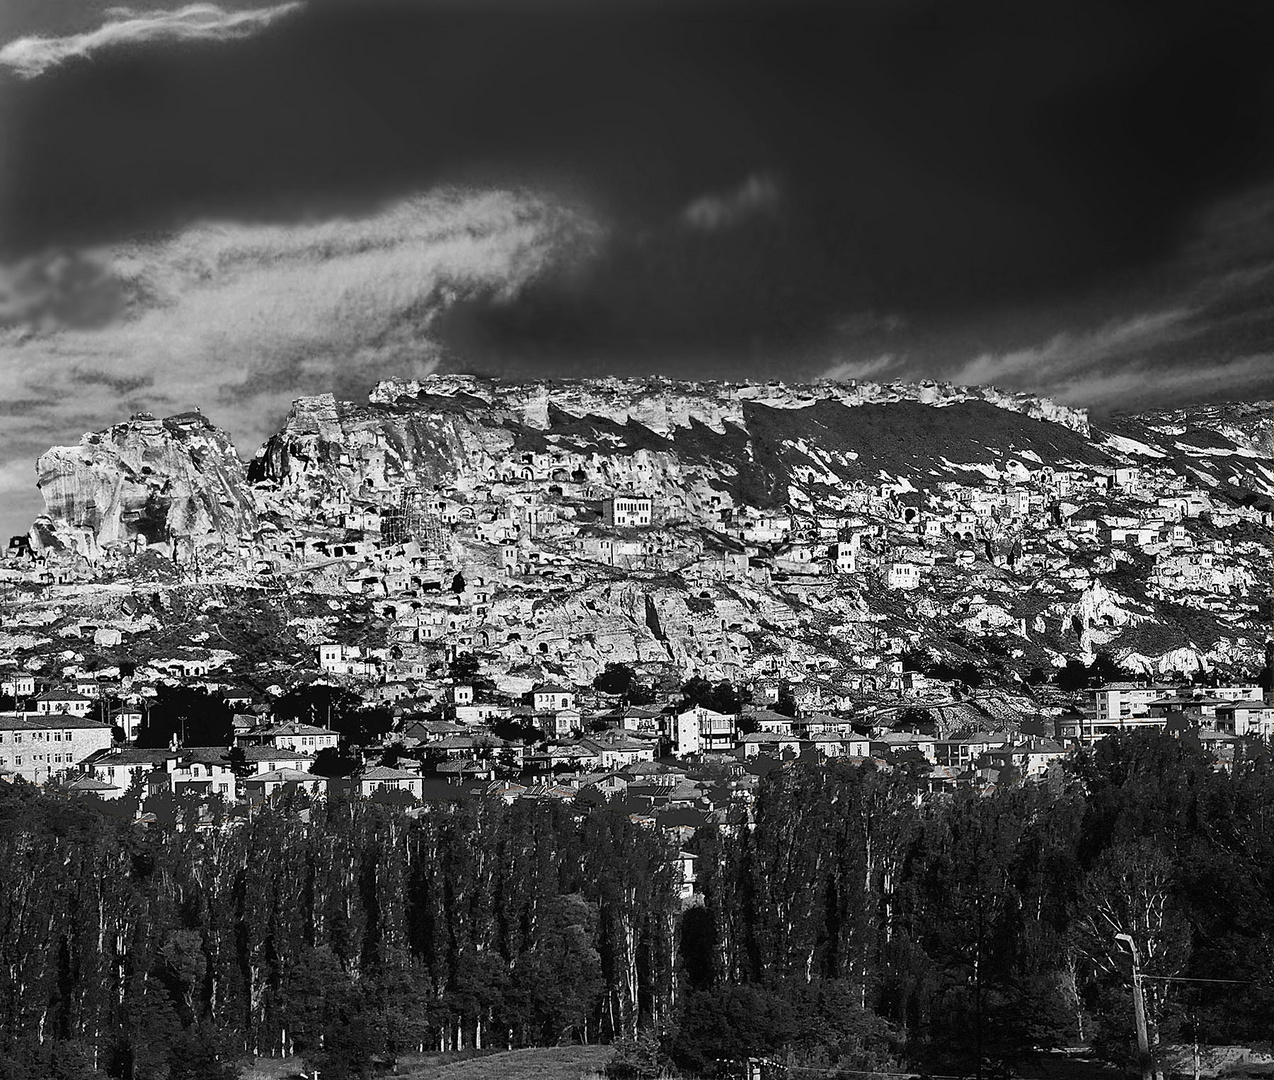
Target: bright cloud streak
(1066,353)
(240,320)
(860,369)
(32,56)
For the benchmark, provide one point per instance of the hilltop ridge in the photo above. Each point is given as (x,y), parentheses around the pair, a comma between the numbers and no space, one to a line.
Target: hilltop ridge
(663,403)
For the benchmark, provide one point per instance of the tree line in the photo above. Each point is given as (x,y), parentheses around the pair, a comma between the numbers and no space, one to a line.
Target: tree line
(859,926)
(347,933)
(846,921)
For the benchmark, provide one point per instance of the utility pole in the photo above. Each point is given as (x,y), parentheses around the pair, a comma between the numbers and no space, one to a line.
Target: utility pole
(1139,1010)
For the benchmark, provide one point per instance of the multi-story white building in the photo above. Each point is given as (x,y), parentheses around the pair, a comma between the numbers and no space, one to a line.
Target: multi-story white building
(21,684)
(700,730)
(341,659)
(552,696)
(1130,706)
(1120,701)
(201,770)
(560,723)
(1246,718)
(306,739)
(624,511)
(38,747)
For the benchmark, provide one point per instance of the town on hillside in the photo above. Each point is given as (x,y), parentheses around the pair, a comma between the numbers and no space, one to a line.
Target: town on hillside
(578,609)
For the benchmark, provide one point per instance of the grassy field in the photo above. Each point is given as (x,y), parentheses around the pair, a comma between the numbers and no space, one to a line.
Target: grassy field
(544,1063)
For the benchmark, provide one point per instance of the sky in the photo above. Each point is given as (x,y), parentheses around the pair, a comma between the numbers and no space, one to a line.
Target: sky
(227,205)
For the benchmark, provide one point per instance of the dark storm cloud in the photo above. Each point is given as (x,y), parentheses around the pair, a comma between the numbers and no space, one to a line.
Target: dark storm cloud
(911,159)
(122,385)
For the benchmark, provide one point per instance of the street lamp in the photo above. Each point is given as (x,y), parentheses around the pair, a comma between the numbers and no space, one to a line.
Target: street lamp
(1139,1009)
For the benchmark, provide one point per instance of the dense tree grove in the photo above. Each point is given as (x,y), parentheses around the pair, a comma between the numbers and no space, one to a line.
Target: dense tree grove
(856,925)
(149,953)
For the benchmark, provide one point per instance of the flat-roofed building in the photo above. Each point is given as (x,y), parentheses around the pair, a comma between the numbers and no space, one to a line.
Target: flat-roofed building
(627,511)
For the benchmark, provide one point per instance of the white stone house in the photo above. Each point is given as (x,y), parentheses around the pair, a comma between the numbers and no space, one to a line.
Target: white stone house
(21,684)
(627,511)
(902,575)
(64,702)
(552,696)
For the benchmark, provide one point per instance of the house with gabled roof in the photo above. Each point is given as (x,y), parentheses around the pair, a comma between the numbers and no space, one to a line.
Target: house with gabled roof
(122,766)
(272,758)
(290,735)
(1033,758)
(768,743)
(607,783)
(68,702)
(616,749)
(552,696)
(560,723)
(830,744)
(202,770)
(370,780)
(84,784)
(282,781)
(768,721)
(419,732)
(900,741)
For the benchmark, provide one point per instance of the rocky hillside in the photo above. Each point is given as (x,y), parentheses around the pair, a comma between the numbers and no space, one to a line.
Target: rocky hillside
(1223,446)
(709,445)
(799,532)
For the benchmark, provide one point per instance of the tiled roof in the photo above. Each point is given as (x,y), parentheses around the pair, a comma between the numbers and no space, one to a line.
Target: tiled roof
(38,722)
(90,783)
(133,755)
(294,727)
(281,776)
(383,772)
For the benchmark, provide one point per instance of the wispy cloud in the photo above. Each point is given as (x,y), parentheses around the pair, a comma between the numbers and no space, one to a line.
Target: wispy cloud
(861,369)
(241,319)
(1064,354)
(1148,386)
(758,194)
(32,56)
(1078,367)
(1144,360)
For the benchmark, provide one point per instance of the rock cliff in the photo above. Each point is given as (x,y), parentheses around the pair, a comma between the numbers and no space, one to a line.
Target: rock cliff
(703,447)
(665,404)
(146,482)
